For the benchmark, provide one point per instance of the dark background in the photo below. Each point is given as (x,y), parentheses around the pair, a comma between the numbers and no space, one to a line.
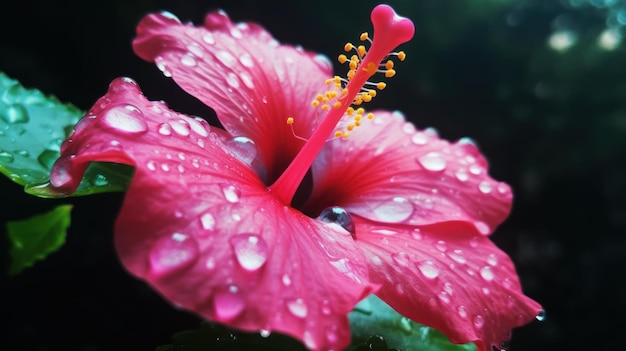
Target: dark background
(551,122)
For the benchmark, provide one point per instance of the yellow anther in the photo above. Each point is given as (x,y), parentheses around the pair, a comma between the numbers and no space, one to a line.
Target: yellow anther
(350,126)
(360,111)
(389,64)
(350,111)
(361,50)
(366,97)
(364,36)
(319,97)
(401,55)
(357,123)
(357,100)
(370,116)
(325,100)
(325,107)
(315,103)
(338,134)
(344,92)
(337,79)
(371,93)
(371,68)
(290,120)
(342,58)
(358,117)
(390,73)
(328,81)
(353,65)
(346,135)
(351,74)
(337,104)
(348,47)
(381,85)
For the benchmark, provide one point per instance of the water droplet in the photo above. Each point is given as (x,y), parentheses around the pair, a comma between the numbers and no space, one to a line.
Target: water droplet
(428,269)
(173,253)
(457,255)
(228,303)
(332,337)
(246,79)
(444,297)
(486,273)
(338,216)
(197,124)
(246,60)
(492,259)
(486,291)
(243,148)
(151,165)
(461,175)
(195,49)
(394,210)
(170,16)
(226,58)
(541,316)
(100,180)
(162,66)
(208,222)
(478,321)
(165,167)
(188,60)
(231,194)
(483,228)
(376,260)
(461,311)
(232,80)
(236,33)
(326,310)
(165,129)
(181,127)
(6,158)
(441,246)
(250,251)
(406,325)
(432,161)
(475,169)
(419,138)
(297,307)
(401,258)
(14,113)
(286,280)
(208,38)
(309,341)
(265,333)
(473,242)
(124,119)
(485,187)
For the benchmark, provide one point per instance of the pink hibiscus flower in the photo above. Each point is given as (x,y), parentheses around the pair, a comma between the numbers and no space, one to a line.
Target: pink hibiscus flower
(212,221)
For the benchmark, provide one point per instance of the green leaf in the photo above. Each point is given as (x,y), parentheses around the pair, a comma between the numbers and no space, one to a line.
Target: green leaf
(372,316)
(33,239)
(32,128)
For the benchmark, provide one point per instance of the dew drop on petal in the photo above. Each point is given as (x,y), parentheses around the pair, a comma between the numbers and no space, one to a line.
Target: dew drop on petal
(473,242)
(188,60)
(208,38)
(486,273)
(228,303)
(441,246)
(231,194)
(246,60)
(492,259)
(243,148)
(432,161)
(401,258)
(394,210)
(207,221)
(482,227)
(286,279)
(338,216)
(541,316)
(309,341)
(250,250)
(457,256)
(226,58)
(172,253)
(14,113)
(232,80)
(478,321)
(461,311)
(124,119)
(297,307)
(265,333)
(165,129)
(6,158)
(181,127)
(428,269)
(197,126)
(461,175)
(326,310)
(485,187)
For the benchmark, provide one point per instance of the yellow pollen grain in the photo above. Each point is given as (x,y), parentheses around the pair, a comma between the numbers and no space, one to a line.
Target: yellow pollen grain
(381,85)
(348,47)
(358,117)
(353,65)
(290,120)
(342,58)
(315,103)
(390,73)
(360,111)
(337,104)
(370,116)
(346,135)
(364,36)
(350,126)
(361,50)
(357,123)
(372,93)
(350,111)
(389,64)
(366,97)
(344,92)
(325,107)
(319,97)
(351,74)
(401,55)
(338,134)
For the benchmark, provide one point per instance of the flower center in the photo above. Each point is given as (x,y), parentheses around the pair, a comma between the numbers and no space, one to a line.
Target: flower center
(391,30)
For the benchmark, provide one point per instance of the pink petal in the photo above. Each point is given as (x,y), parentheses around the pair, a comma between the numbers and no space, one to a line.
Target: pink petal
(449,278)
(389,172)
(201,228)
(253,83)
